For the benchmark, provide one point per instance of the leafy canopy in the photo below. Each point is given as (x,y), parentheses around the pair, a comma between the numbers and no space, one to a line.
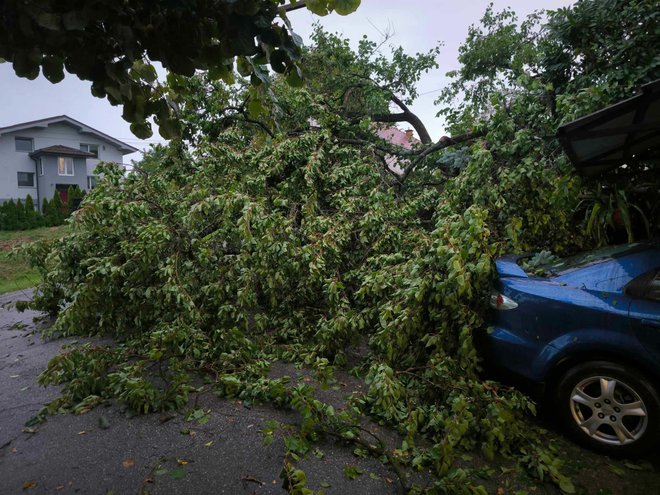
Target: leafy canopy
(113,44)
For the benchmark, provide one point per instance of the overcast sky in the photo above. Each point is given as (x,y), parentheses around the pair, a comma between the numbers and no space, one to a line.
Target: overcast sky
(416,25)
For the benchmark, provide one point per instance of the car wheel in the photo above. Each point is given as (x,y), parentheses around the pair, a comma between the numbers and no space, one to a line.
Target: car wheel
(609,408)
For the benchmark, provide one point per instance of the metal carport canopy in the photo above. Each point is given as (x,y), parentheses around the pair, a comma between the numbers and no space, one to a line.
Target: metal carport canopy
(623,133)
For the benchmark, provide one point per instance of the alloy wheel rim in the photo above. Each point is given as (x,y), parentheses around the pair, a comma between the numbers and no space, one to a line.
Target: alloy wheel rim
(608,410)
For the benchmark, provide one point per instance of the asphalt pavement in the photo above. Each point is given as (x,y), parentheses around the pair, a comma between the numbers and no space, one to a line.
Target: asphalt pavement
(109,451)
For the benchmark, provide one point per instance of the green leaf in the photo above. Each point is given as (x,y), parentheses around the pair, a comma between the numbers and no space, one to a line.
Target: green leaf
(345,7)
(294,80)
(169,129)
(255,107)
(25,65)
(35,420)
(114,92)
(566,485)
(352,472)
(53,69)
(145,71)
(74,21)
(617,470)
(177,473)
(141,129)
(222,72)
(49,21)
(243,66)
(318,7)
(278,61)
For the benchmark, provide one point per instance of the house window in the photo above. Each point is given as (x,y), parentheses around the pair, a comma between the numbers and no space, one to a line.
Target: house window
(91,181)
(23,144)
(25,179)
(90,148)
(41,166)
(65,165)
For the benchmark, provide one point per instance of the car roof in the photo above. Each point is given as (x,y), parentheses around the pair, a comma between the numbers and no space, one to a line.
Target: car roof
(613,273)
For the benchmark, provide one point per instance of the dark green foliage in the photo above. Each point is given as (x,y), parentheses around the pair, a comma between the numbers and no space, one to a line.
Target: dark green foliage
(58,210)
(47,212)
(74,196)
(590,54)
(9,216)
(24,216)
(604,43)
(13,216)
(20,214)
(112,45)
(70,194)
(32,217)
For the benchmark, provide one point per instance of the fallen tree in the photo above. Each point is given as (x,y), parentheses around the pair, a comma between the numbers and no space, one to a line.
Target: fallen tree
(300,248)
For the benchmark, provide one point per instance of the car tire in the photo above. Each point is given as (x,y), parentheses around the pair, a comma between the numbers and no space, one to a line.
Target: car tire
(609,408)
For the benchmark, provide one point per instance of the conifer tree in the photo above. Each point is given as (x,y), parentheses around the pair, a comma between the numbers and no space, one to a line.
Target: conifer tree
(4,217)
(10,215)
(31,215)
(21,220)
(58,209)
(46,212)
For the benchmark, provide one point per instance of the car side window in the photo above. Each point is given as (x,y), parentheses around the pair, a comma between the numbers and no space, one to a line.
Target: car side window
(653,288)
(646,286)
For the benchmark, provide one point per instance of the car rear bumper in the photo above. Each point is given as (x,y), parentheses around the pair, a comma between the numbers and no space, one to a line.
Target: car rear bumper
(510,358)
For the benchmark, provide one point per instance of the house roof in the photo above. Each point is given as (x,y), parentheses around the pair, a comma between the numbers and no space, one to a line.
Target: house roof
(397,137)
(79,126)
(623,133)
(61,150)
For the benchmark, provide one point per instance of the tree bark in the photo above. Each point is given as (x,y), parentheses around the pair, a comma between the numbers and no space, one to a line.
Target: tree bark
(405,116)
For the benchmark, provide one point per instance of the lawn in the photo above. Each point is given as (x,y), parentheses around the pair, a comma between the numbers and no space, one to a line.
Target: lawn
(15,274)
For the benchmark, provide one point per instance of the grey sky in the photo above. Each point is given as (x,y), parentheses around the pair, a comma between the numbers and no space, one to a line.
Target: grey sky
(417,25)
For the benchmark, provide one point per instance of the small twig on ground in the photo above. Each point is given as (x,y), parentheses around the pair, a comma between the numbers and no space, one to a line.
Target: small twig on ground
(252,479)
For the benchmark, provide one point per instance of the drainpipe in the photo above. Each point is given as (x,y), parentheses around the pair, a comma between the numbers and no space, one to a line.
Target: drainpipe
(36,181)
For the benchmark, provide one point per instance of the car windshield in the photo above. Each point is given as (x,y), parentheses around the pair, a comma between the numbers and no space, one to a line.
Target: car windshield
(559,266)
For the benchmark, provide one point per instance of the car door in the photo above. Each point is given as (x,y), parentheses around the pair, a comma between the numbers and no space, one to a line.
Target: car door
(645,313)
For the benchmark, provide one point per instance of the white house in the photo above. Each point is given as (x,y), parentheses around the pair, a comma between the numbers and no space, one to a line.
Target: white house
(48,155)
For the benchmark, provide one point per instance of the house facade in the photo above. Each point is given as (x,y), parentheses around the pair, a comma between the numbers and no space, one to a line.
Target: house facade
(48,155)
(404,139)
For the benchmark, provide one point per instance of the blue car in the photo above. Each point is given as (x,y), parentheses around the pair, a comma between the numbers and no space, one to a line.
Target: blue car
(586,330)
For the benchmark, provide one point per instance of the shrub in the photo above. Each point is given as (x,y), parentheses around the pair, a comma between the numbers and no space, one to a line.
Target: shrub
(10,215)
(58,210)
(32,217)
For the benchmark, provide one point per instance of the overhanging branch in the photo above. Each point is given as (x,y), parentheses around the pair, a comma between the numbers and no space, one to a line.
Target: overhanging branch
(289,7)
(443,142)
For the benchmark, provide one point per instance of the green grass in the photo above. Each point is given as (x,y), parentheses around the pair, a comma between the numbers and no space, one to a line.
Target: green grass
(15,274)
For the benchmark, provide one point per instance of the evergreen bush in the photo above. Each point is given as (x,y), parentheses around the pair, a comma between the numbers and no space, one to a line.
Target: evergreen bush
(32,216)
(19,215)
(58,209)
(10,215)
